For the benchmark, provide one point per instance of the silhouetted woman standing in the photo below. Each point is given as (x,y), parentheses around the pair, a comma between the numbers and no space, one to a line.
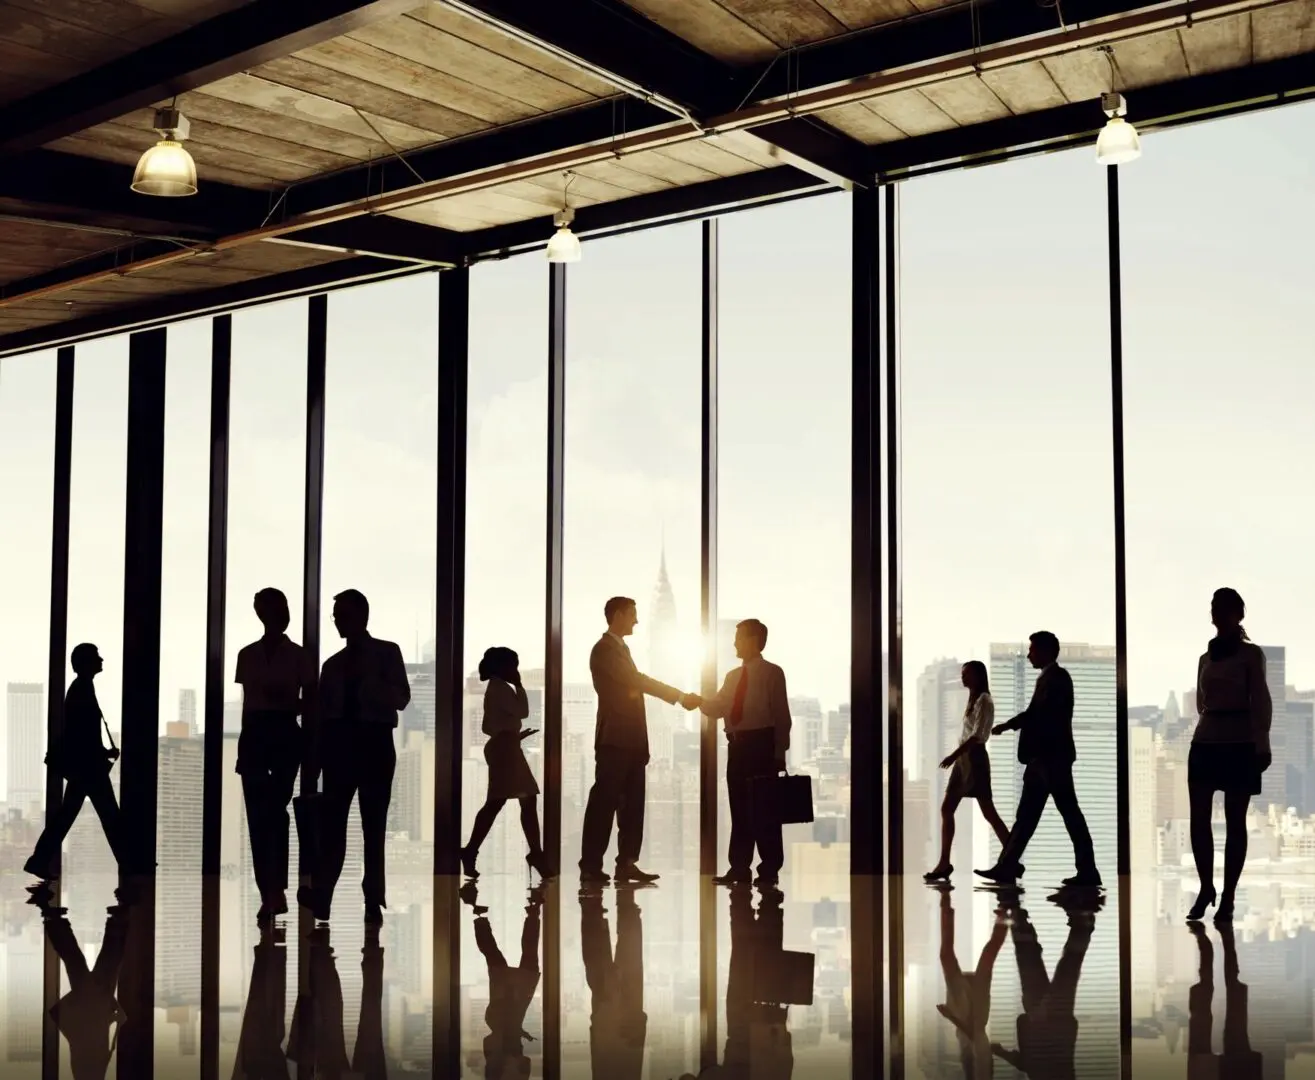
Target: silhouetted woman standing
(505,706)
(1230,748)
(971,776)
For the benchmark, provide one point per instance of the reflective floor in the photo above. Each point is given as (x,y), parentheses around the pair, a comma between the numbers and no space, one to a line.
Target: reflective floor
(173,978)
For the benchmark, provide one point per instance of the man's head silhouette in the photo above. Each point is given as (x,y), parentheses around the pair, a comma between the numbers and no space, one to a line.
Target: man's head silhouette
(351,613)
(86,659)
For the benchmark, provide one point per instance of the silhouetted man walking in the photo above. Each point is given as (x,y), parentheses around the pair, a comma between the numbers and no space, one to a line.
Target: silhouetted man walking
(1046,749)
(277,679)
(362,689)
(620,749)
(84,762)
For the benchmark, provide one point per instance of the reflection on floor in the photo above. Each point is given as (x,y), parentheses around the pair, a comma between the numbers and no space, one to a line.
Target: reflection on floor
(172,978)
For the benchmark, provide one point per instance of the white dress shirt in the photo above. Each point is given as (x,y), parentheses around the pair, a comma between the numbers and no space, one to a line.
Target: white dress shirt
(765,701)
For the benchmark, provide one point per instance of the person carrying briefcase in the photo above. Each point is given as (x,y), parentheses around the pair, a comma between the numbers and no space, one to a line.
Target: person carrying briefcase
(756,710)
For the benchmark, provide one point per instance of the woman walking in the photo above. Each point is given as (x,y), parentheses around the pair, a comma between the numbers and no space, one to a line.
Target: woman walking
(1230,748)
(505,706)
(971,775)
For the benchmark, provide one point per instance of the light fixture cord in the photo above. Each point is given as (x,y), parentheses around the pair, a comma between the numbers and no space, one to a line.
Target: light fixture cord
(1115,78)
(384,139)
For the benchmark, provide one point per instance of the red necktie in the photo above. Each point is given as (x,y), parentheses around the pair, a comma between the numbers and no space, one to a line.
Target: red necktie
(737,703)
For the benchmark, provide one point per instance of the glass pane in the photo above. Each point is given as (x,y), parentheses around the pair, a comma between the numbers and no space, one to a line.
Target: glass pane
(27,463)
(266,522)
(182,696)
(784,415)
(1007,529)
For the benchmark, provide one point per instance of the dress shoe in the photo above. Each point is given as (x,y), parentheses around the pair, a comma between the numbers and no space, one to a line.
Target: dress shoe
(594,877)
(733,877)
(1087,879)
(1001,875)
(374,915)
(632,873)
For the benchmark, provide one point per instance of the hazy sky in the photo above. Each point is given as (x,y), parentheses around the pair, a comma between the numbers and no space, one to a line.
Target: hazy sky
(1005,419)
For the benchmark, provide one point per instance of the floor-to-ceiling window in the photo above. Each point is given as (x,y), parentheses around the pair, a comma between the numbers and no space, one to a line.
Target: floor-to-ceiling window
(784,407)
(1216,300)
(506,501)
(632,506)
(27,438)
(266,515)
(1007,529)
(186,518)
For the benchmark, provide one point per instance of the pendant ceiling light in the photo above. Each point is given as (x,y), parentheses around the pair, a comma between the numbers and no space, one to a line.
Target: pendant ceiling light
(167,169)
(564,245)
(1118,142)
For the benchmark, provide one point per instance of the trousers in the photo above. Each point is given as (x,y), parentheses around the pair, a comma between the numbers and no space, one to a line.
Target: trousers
(94,784)
(752,754)
(617,794)
(358,764)
(1044,780)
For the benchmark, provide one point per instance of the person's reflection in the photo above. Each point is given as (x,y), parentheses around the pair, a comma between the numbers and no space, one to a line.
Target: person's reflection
(317,1041)
(260,1046)
(1238,1061)
(91,1007)
(617,1023)
(511,989)
(1047,1028)
(968,993)
(758,1043)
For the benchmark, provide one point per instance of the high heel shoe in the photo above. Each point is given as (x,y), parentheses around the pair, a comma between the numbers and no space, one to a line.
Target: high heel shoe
(940,873)
(535,861)
(468,856)
(1204,899)
(1224,913)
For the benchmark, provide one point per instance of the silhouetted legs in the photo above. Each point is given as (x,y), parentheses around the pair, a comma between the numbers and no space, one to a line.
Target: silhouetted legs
(317,1042)
(488,814)
(1235,842)
(360,765)
(949,807)
(1200,807)
(1238,1061)
(95,786)
(618,1025)
(267,786)
(260,1046)
(618,794)
(86,1013)
(750,755)
(368,1057)
(1043,780)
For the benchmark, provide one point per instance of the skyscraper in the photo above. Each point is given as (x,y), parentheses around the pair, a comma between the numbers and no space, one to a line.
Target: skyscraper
(1050,854)
(1287,769)
(26,740)
(664,663)
(942,699)
(187,709)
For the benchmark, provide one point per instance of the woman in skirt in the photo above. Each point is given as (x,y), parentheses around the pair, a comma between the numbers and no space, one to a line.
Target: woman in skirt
(971,775)
(505,706)
(1230,748)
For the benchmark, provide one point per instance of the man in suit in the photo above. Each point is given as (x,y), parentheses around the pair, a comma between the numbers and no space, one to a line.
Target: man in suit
(362,689)
(1045,748)
(620,749)
(757,717)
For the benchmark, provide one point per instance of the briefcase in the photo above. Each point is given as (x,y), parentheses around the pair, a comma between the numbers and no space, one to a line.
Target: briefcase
(782,977)
(787,798)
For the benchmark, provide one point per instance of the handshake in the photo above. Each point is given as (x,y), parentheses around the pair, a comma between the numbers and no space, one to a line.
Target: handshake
(690,702)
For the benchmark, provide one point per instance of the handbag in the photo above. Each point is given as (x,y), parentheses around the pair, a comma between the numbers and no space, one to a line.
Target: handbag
(788,799)
(783,977)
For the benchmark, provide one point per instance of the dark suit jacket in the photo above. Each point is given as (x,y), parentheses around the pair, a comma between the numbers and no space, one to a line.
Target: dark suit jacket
(621,687)
(1046,726)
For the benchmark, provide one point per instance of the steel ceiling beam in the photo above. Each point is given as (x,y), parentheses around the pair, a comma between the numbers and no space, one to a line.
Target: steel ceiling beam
(224,45)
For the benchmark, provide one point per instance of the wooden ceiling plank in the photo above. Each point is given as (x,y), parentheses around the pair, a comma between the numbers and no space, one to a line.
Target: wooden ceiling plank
(364,61)
(860,122)
(911,112)
(327,82)
(586,188)
(1145,61)
(472,30)
(1081,76)
(1217,45)
(127,22)
(707,25)
(796,22)
(1283,31)
(656,163)
(40,31)
(857,14)
(615,172)
(229,139)
(440,214)
(292,103)
(706,154)
(1024,87)
(967,100)
(222,112)
(746,145)
(422,43)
